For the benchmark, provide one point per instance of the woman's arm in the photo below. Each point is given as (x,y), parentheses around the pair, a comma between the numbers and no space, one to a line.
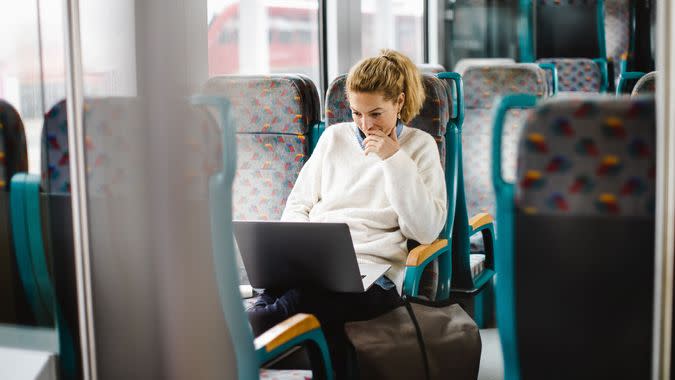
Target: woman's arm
(417,192)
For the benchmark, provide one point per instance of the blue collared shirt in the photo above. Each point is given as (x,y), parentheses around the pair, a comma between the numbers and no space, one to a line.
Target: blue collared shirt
(359,138)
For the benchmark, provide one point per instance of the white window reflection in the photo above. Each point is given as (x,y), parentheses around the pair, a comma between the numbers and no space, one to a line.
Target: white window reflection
(263,36)
(394,24)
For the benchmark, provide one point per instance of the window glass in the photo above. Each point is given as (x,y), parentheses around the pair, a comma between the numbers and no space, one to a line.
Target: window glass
(31,73)
(396,24)
(263,37)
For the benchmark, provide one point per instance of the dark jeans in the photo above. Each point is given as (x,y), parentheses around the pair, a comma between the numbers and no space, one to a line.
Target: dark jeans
(331,309)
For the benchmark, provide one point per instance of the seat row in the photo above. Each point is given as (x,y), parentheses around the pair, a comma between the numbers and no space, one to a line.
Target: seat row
(276,122)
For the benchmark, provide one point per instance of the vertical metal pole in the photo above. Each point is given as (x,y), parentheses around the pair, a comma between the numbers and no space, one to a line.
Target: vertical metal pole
(41,57)
(665,195)
(74,89)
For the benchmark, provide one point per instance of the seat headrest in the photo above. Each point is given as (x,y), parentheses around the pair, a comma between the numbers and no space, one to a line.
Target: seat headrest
(13,151)
(278,103)
(484,84)
(575,74)
(588,156)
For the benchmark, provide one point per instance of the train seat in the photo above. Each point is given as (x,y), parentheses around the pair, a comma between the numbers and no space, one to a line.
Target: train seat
(578,74)
(433,119)
(301,329)
(576,240)
(465,63)
(13,152)
(13,159)
(617,34)
(646,85)
(474,218)
(272,116)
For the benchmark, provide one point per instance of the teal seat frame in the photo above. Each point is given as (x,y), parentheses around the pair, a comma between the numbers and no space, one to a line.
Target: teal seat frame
(505,193)
(249,359)
(26,217)
(624,77)
(463,285)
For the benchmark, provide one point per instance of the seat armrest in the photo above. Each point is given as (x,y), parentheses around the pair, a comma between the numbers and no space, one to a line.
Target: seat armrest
(285,331)
(294,331)
(424,253)
(479,221)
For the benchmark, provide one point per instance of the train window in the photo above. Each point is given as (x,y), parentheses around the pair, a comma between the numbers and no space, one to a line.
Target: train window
(31,71)
(263,37)
(395,24)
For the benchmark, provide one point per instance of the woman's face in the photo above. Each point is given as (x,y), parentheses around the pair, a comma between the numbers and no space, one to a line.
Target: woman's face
(371,111)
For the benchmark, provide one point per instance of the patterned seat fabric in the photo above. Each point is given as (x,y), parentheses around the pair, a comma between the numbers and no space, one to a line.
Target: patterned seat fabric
(465,63)
(617,32)
(13,151)
(483,86)
(589,157)
(575,74)
(646,85)
(272,115)
(106,128)
(433,117)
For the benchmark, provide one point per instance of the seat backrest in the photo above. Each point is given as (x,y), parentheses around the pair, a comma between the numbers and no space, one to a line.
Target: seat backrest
(583,230)
(617,32)
(433,117)
(483,86)
(272,116)
(430,68)
(465,63)
(575,74)
(105,122)
(13,151)
(646,85)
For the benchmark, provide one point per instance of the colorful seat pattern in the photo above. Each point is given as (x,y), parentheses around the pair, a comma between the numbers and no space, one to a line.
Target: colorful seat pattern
(483,85)
(272,116)
(465,63)
(646,85)
(617,32)
(575,74)
(589,157)
(106,125)
(13,151)
(433,117)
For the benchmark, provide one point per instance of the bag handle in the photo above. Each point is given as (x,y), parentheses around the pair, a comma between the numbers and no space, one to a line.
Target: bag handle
(420,339)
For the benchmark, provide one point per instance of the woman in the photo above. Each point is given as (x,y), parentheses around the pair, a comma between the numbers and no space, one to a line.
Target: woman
(383,179)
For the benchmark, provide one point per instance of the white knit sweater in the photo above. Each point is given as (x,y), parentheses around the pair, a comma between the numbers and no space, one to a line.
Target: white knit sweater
(384,202)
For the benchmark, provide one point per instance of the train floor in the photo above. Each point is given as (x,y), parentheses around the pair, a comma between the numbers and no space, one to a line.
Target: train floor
(491,364)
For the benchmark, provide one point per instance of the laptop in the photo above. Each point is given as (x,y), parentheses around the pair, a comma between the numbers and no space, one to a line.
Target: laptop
(285,255)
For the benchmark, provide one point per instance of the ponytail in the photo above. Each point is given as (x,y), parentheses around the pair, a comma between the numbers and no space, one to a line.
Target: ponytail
(390,73)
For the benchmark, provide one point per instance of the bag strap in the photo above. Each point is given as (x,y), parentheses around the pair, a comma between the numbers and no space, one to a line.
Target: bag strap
(420,339)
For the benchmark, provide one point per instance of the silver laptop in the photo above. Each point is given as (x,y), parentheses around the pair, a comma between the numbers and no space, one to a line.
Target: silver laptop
(285,255)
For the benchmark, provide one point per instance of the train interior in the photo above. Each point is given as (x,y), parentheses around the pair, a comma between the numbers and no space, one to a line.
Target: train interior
(133,133)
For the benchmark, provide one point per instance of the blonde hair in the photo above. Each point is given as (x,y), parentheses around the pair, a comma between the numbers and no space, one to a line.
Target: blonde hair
(390,73)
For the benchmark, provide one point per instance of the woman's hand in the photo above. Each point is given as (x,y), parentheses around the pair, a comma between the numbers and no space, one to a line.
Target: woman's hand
(382,145)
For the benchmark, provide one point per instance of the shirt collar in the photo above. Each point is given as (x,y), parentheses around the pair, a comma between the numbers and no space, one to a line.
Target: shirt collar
(359,138)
